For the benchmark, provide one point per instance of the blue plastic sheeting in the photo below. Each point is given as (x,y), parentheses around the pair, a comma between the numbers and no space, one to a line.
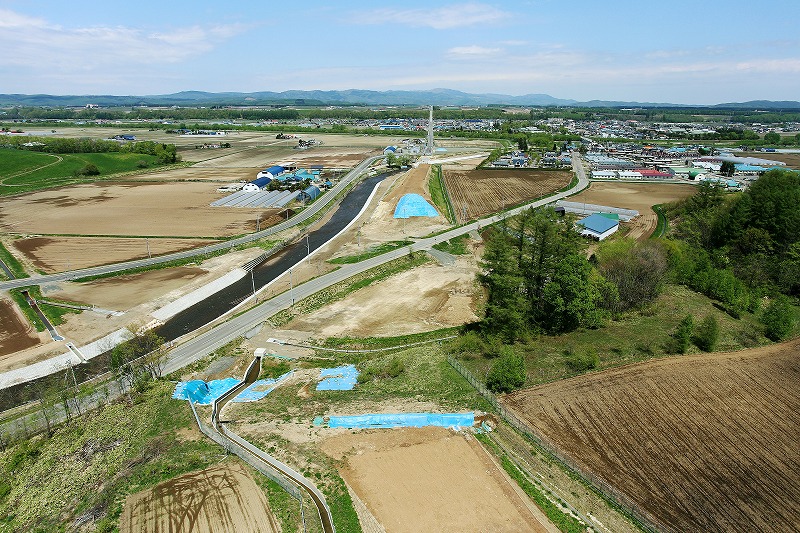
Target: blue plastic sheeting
(260,388)
(203,393)
(339,378)
(414,205)
(403,420)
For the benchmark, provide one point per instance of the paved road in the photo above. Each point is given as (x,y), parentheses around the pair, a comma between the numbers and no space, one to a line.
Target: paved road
(208,341)
(106,269)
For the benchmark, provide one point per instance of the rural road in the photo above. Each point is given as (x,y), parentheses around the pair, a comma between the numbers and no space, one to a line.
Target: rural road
(106,269)
(220,335)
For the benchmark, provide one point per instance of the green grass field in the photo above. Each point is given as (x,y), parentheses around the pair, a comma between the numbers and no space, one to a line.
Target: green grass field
(23,171)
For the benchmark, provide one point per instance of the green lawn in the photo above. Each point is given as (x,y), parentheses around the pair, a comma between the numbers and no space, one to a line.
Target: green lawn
(23,171)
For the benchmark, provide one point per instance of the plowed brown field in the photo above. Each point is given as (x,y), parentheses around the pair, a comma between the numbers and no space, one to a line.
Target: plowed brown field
(476,193)
(220,498)
(701,443)
(15,333)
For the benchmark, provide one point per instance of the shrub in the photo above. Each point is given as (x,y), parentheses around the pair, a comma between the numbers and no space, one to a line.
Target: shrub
(507,373)
(682,335)
(142,164)
(391,369)
(777,319)
(706,334)
(470,343)
(89,169)
(581,362)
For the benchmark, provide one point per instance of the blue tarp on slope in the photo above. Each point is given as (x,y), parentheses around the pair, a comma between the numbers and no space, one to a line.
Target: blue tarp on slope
(203,393)
(400,420)
(414,205)
(339,378)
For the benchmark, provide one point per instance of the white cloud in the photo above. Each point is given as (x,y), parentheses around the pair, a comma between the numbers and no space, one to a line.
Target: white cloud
(472,52)
(30,42)
(442,18)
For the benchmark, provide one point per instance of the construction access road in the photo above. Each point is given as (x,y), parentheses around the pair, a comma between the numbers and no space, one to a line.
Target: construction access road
(208,341)
(301,217)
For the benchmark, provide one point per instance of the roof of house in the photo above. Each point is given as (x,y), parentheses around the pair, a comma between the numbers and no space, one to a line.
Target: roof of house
(598,223)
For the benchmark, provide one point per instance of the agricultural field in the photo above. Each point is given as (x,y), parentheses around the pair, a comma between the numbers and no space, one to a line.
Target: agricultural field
(702,443)
(57,254)
(166,209)
(223,497)
(639,196)
(476,193)
(22,171)
(431,479)
(15,332)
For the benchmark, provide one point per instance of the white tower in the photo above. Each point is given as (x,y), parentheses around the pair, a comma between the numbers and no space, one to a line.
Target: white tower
(429,146)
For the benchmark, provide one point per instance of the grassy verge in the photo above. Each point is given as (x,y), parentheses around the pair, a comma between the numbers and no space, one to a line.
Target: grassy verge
(27,310)
(563,521)
(50,475)
(439,194)
(371,343)
(372,251)
(455,246)
(340,290)
(663,223)
(283,507)
(11,262)
(633,337)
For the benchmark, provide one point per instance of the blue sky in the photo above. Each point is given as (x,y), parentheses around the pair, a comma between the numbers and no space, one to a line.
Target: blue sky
(698,52)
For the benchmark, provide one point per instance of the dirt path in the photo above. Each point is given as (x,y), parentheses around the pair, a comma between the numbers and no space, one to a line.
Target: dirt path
(430,479)
(220,498)
(58,160)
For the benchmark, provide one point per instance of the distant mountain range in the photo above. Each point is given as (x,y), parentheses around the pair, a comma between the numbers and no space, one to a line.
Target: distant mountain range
(437,97)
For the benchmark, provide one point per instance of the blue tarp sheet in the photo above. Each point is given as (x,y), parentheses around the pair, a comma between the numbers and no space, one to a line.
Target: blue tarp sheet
(402,420)
(203,393)
(260,388)
(339,378)
(414,205)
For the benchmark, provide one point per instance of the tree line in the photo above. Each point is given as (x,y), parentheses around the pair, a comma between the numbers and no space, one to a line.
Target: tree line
(165,153)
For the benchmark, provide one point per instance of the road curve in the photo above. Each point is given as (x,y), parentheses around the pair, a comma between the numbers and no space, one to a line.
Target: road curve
(304,215)
(220,335)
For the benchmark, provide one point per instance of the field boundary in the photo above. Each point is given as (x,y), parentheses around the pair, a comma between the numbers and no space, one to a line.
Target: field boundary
(640,517)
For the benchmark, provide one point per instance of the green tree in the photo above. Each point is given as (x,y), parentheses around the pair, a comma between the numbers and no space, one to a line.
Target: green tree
(778,319)
(682,336)
(727,168)
(706,334)
(772,138)
(506,374)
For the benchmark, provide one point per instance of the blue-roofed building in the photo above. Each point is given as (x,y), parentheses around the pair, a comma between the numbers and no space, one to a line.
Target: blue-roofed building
(414,205)
(257,184)
(389,150)
(310,193)
(598,226)
(752,170)
(271,172)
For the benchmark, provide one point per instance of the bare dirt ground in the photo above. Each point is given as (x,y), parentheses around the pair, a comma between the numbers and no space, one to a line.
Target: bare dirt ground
(476,193)
(221,498)
(638,196)
(15,333)
(702,443)
(430,479)
(422,299)
(57,254)
(158,209)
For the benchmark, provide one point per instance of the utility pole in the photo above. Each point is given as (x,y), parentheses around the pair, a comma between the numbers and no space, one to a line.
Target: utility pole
(258,223)
(253,280)
(291,286)
(147,241)
(308,249)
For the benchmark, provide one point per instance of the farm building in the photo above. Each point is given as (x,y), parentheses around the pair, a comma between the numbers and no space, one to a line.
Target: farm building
(310,193)
(271,172)
(389,150)
(598,226)
(257,184)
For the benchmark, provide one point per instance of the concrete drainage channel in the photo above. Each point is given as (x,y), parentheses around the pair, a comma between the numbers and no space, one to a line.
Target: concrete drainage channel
(50,328)
(292,481)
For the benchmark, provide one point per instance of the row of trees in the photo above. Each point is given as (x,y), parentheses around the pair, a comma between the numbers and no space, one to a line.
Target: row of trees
(165,153)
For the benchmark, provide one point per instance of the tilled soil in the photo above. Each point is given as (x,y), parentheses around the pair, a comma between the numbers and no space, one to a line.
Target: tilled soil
(702,443)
